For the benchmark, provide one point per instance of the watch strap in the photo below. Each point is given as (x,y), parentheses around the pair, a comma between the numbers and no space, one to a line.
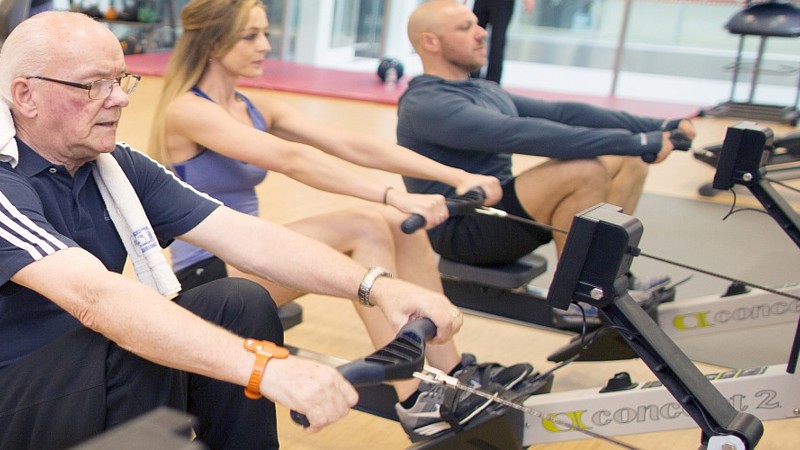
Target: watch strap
(368,281)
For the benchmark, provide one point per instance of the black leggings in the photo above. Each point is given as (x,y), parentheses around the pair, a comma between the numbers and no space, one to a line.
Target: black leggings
(497,14)
(82,384)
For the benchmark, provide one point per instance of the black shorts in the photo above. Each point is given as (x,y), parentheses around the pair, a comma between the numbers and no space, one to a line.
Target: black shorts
(488,240)
(81,384)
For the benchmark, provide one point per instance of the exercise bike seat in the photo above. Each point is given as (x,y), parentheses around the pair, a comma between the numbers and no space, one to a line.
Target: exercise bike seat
(766,19)
(503,276)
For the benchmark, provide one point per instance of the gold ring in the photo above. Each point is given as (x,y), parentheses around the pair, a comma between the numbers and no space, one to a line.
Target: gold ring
(456,314)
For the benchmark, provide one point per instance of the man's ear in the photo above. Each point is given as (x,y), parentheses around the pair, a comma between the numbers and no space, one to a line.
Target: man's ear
(429,41)
(22,97)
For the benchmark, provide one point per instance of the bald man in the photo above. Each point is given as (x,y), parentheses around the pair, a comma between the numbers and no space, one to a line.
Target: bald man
(594,153)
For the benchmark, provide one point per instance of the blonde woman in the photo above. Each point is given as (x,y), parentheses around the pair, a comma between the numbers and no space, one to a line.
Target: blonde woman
(223,143)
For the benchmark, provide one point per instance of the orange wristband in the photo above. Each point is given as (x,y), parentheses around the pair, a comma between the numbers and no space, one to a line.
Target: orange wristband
(264,351)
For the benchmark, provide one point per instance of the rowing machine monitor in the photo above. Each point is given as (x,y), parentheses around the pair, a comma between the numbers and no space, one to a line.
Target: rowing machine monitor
(597,256)
(744,153)
(741,161)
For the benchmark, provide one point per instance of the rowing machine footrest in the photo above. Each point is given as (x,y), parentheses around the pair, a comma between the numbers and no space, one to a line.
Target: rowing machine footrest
(504,276)
(500,429)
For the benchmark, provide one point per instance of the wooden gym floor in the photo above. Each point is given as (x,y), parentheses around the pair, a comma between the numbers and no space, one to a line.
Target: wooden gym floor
(331,326)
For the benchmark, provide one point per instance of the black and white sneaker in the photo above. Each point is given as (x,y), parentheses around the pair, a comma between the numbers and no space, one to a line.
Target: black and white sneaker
(439,408)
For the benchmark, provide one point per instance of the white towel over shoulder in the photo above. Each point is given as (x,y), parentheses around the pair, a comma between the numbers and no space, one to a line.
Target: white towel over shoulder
(133,227)
(124,208)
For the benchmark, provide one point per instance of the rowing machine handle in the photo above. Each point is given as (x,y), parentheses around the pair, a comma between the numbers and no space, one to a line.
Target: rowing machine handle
(680,141)
(397,360)
(457,206)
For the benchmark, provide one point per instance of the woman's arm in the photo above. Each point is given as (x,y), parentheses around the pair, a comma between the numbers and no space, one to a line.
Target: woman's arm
(370,151)
(209,125)
(273,252)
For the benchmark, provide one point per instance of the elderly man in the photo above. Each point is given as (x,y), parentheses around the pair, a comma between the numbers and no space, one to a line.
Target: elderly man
(85,348)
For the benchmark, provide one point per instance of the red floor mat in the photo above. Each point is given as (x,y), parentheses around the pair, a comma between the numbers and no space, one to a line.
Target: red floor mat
(305,79)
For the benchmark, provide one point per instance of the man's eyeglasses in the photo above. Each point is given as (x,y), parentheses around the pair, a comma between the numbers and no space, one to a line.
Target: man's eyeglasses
(101,89)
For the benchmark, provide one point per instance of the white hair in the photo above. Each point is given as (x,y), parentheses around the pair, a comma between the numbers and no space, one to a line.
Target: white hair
(33,44)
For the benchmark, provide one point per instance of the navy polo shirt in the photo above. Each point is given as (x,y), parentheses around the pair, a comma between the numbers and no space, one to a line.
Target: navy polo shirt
(44,209)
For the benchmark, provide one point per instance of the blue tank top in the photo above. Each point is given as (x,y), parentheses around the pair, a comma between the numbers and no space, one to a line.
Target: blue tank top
(226,179)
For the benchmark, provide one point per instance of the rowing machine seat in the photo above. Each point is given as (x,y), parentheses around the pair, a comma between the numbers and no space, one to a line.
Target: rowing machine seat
(505,276)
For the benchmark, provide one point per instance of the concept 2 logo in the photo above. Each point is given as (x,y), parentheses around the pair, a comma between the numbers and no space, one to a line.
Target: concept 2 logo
(706,319)
(649,413)
(585,419)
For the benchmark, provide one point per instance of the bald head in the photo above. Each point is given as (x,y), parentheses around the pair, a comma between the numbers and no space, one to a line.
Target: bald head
(448,39)
(47,40)
(47,69)
(428,18)
(60,23)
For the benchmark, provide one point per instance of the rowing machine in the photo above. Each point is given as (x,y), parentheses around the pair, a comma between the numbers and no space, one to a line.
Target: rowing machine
(704,327)
(596,254)
(599,251)
(768,392)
